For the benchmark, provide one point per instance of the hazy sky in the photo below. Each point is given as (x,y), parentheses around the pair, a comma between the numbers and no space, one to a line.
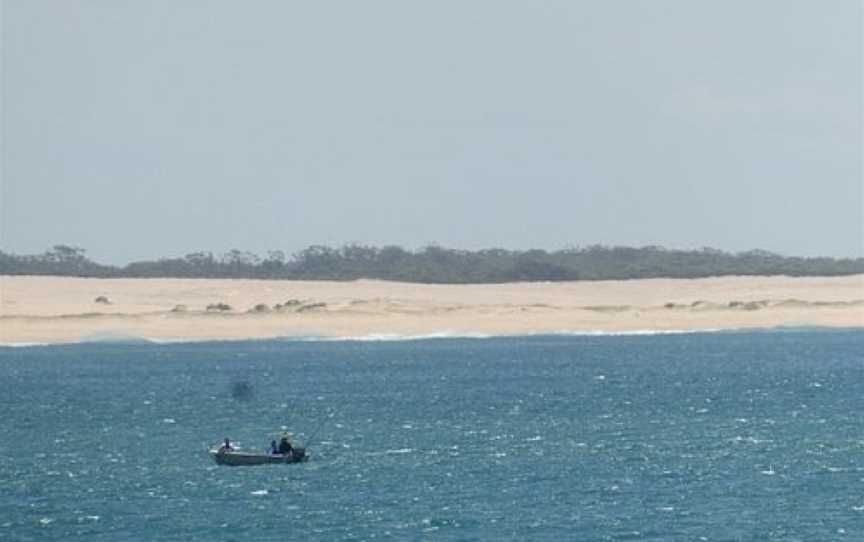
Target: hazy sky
(144,129)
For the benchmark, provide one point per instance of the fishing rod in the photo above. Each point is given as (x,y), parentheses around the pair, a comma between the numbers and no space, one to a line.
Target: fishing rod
(318,429)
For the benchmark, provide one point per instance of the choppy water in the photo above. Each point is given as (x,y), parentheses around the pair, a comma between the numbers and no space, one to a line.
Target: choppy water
(724,436)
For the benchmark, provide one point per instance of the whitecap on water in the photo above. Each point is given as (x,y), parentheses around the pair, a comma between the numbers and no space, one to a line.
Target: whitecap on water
(168,420)
(259,492)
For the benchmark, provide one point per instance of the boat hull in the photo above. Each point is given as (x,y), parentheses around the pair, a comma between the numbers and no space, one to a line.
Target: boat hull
(242,459)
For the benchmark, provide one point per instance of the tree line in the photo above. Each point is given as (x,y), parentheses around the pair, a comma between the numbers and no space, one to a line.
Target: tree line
(434,264)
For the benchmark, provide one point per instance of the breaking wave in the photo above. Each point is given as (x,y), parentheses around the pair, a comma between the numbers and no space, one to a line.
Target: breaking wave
(132,340)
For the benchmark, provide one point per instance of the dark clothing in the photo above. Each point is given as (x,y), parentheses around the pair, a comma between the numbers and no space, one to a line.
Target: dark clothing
(284,446)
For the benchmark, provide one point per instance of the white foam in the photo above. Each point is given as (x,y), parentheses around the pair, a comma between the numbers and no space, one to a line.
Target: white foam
(113,338)
(390,337)
(395,337)
(632,332)
(385,337)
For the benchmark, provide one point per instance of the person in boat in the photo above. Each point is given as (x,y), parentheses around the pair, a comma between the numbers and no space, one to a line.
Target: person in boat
(285,446)
(273,448)
(226,446)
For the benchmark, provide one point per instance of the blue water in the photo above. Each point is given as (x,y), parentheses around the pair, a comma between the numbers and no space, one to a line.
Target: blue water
(723,436)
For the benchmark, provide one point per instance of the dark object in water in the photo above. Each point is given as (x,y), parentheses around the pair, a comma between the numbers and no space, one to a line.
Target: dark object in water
(241,459)
(242,391)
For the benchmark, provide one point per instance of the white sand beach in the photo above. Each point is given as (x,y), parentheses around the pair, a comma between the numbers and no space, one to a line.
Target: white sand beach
(60,309)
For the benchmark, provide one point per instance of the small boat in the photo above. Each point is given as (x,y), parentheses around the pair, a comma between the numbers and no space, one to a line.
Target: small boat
(237,459)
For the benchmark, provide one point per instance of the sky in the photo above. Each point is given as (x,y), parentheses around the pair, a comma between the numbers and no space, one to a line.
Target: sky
(140,130)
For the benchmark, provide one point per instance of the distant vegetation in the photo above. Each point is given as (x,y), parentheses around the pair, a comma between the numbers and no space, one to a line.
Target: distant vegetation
(434,264)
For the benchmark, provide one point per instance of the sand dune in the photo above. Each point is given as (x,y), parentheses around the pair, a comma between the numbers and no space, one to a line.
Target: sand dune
(57,309)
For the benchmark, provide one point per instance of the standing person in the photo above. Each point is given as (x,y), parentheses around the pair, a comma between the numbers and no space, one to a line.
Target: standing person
(226,446)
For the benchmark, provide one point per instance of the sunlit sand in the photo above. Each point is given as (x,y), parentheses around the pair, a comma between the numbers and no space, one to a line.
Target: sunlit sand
(57,309)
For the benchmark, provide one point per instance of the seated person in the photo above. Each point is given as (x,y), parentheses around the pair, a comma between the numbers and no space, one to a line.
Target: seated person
(284,446)
(226,447)
(273,448)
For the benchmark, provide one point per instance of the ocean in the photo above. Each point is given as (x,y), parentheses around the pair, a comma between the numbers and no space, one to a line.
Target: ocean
(722,436)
